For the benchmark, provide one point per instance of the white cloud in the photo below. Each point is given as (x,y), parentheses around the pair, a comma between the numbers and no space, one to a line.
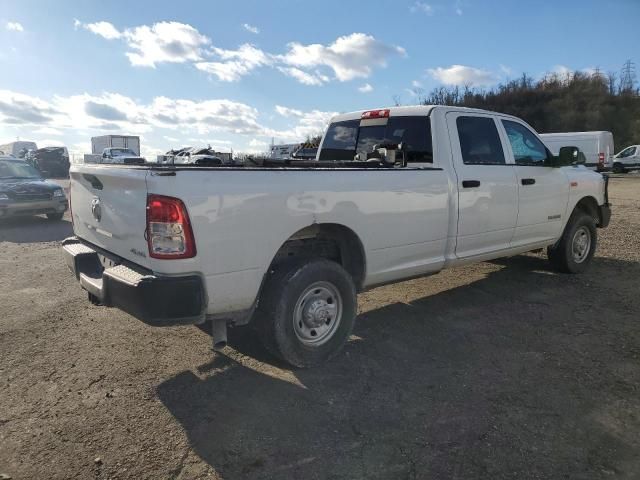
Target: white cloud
(251,28)
(422,7)
(50,142)
(104,29)
(416,84)
(366,88)
(306,78)
(351,56)
(172,42)
(561,70)
(48,131)
(171,139)
(463,75)
(14,26)
(308,123)
(235,63)
(458,7)
(506,70)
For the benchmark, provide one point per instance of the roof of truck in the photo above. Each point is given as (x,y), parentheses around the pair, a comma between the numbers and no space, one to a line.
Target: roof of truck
(405,111)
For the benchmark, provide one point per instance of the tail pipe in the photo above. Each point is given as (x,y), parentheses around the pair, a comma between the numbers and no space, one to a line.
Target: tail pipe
(219,334)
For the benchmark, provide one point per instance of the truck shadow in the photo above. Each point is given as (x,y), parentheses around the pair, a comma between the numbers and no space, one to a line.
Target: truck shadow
(34,229)
(519,371)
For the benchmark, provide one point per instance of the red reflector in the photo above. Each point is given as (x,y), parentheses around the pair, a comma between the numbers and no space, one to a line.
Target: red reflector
(601,157)
(169,233)
(375,114)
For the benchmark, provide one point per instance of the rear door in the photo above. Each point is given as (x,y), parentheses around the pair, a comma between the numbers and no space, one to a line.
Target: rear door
(543,191)
(487,191)
(108,204)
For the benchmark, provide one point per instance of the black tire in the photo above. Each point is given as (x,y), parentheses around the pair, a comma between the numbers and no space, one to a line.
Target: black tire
(561,255)
(55,216)
(288,284)
(618,168)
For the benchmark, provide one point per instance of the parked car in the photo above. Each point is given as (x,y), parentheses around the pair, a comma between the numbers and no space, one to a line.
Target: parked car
(121,155)
(596,146)
(628,159)
(51,162)
(290,246)
(305,154)
(198,156)
(23,191)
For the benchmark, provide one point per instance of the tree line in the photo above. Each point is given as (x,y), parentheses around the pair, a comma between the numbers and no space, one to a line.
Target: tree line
(570,102)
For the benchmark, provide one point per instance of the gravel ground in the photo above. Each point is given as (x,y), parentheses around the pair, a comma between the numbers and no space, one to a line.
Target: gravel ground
(498,370)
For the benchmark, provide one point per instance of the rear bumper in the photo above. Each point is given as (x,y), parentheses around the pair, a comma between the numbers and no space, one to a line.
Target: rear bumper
(155,299)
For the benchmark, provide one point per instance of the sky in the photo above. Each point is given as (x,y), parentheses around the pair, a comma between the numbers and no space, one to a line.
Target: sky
(237,74)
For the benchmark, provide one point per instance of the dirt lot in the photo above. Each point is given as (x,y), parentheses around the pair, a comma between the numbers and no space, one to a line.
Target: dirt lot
(498,370)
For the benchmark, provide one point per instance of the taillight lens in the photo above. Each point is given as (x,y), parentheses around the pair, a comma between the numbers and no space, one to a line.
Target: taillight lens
(601,157)
(169,232)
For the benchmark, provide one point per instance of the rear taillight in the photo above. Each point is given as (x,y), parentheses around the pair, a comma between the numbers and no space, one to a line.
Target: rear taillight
(601,157)
(169,232)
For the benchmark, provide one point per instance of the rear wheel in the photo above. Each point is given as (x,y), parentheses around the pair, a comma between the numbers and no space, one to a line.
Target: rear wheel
(618,168)
(574,251)
(55,216)
(307,311)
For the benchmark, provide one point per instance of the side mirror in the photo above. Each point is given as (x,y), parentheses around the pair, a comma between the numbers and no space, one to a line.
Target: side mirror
(569,156)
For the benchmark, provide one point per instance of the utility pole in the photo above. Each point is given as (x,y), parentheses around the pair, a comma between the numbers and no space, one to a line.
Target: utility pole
(628,77)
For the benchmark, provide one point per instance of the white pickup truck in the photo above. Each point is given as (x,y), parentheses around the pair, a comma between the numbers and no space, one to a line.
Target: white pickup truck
(393,194)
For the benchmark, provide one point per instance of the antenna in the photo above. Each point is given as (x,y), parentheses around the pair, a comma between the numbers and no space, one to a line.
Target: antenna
(628,77)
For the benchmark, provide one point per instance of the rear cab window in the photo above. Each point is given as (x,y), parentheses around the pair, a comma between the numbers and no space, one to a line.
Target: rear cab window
(347,139)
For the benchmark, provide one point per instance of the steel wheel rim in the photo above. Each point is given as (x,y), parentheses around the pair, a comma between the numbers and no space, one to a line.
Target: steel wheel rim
(581,244)
(317,313)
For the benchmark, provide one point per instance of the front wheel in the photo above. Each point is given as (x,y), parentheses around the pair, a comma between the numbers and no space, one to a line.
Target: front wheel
(575,249)
(307,311)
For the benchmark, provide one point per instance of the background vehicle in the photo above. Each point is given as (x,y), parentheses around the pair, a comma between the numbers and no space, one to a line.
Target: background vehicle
(284,151)
(292,244)
(627,159)
(23,191)
(51,162)
(18,149)
(305,154)
(121,155)
(191,155)
(596,146)
(98,144)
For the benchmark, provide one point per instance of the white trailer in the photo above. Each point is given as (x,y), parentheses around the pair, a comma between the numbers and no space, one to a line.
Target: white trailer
(17,148)
(98,144)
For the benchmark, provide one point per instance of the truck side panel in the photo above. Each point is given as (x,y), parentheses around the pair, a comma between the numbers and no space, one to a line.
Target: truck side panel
(241,218)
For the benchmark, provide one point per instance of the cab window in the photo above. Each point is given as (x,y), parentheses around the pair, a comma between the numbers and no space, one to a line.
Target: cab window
(527,148)
(479,141)
(628,152)
(346,139)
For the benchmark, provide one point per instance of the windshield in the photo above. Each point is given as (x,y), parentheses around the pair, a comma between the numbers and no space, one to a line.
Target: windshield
(346,139)
(9,169)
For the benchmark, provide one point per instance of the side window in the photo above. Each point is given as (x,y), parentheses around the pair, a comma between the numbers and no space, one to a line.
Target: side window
(527,148)
(629,152)
(479,141)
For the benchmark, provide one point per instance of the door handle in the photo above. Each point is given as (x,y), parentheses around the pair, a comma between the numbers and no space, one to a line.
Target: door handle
(528,181)
(470,183)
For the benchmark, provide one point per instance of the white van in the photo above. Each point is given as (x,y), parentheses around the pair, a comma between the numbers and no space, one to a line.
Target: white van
(596,146)
(627,159)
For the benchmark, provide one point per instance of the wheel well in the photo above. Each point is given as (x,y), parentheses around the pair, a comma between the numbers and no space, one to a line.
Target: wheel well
(327,240)
(589,205)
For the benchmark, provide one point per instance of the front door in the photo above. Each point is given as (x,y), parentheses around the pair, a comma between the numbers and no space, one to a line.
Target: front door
(486,182)
(543,191)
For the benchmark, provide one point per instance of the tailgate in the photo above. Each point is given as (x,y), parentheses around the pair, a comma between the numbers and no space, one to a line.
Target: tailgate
(108,204)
